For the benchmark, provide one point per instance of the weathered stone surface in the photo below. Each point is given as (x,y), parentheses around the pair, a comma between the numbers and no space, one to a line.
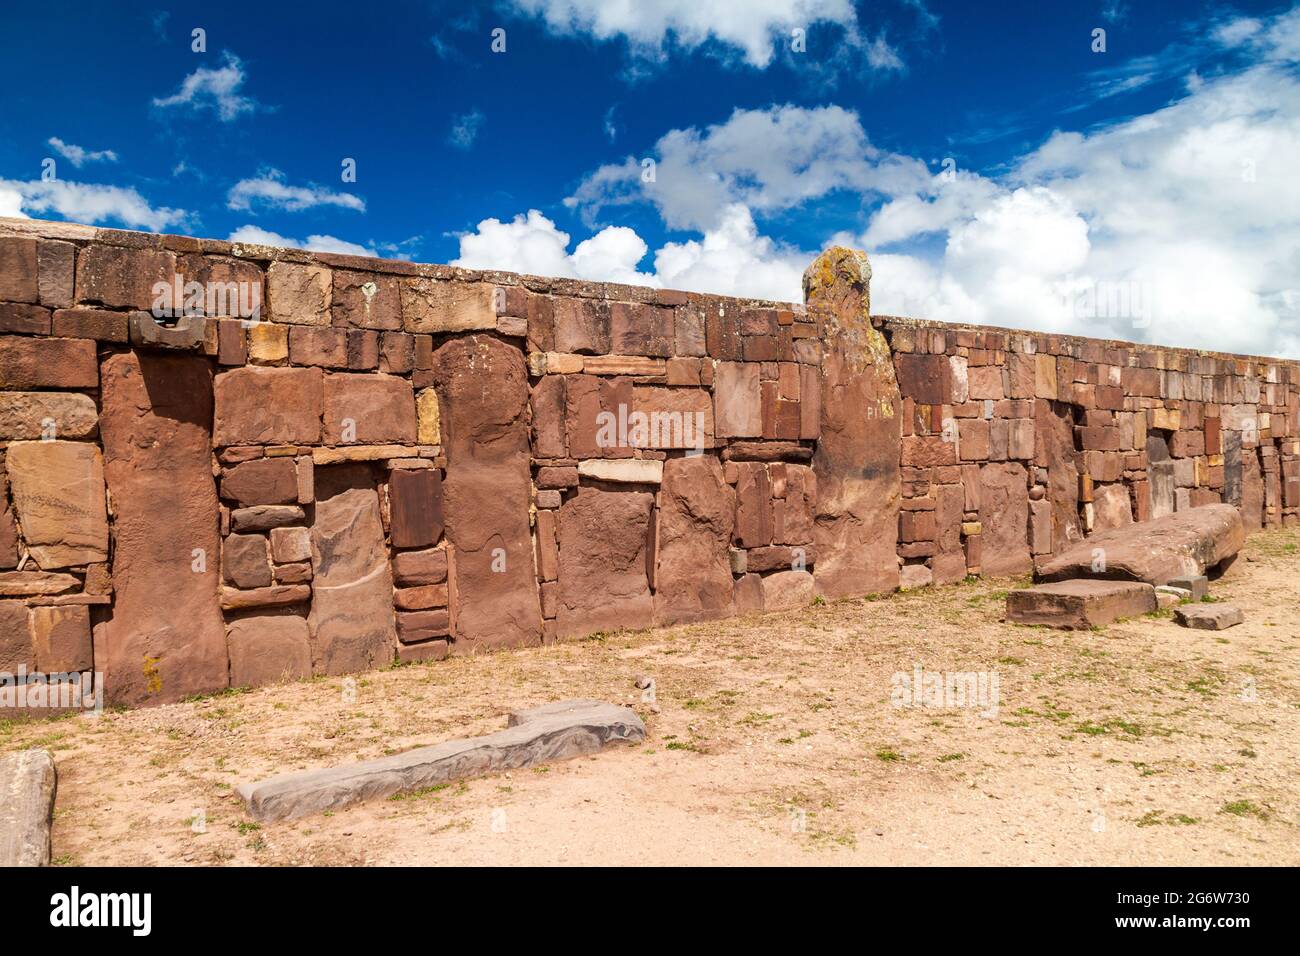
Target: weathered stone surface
(187,334)
(1054,450)
(415,499)
(54,264)
(483,393)
(414,627)
(265,517)
(787,590)
(290,545)
(1111,507)
(244,561)
(857,458)
(27,363)
(16,648)
(558,731)
(365,300)
(1208,617)
(1080,604)
(420,567)
(602,573)
(635,471)
(61,639)
(792,514)
(351,621)
(27,787)
(20,583)
(420,598)
(98,324)
(1004,513)
(263,481)
(268,649)
(927,379)
(581,326)
(299,294)
(434,305)
(753,528)
(1179,545)
(58,494)
(548,407)
(24,319)
(1196,585)
(674,417)
(695,517)
(737,404)
(268,406)
(429,430)
(166,639)
(913,576)
(369,409)
(18,269)
(123,278)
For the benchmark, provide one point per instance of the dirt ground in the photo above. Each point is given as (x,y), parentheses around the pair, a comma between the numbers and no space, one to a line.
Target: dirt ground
(772,740)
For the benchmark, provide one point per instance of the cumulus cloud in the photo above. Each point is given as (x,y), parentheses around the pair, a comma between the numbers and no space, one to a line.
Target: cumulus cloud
(90,203)
(269,188)
(213,89)
(79,156)
(315,243)
(751,29)
(11,203)
(767,160)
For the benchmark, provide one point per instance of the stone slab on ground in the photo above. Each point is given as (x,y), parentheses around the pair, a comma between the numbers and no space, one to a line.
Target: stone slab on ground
(1080,604)
(556,731)
(27,784)
(1197,585)
(1208,617)
(1180,545)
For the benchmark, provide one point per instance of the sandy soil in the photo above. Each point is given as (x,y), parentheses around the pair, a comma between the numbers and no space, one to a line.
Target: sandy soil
(773,740)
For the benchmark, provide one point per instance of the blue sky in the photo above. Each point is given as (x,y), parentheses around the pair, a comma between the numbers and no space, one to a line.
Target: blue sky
(995,165)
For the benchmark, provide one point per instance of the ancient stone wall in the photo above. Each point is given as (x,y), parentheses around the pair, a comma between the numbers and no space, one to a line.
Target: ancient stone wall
(388,461)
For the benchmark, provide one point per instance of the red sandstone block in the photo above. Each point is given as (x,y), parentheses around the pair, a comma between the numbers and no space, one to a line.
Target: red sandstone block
(396,352)
(548,554)
(428,566)
(27,363)
(637,329)
(90,324)
(25,319)
(916,526)
(974,439)
(753,527)
(722,331)
(54,272)
(557,476)
(366,300)
(927,379)
(124,278)
(1188,444)
(363,349)
(262,481)
(322,346)
(415,498)
(417,626)
(581,326)
(232,344)
(18,270)
(928,451)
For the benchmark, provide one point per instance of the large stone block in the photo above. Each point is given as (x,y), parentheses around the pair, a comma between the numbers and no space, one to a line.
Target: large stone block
(581,325)
(369,409)
(1004,513)
(437,305)
(602,574)
(737,400)
(548,405)
(268,649)
(365,300)
(244,561)
(27,812)
(123,278)
(926,379)
(61,639)
(1079,604)
(415,498)
(672,417)
(45,415)
(695,517)
(299,294)
(637,329)
(351,620)
(18,269)
(16,648)
(166,639)
(857,457)
(27,363)
(58,492)
(787,590)
(483,393)
(268,406)
(262,481)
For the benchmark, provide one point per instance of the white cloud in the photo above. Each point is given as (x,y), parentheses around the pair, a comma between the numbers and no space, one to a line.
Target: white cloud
(269,188)
(731,260)
(767,160)
(465,128)
(11,203)
(751,28)
(213,89)
(79,156)
(315,243)
(90,203)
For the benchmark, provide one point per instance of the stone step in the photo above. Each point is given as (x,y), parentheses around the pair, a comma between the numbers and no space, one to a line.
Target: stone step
(1080,604)
(556,731)
(27,784)
(1208,617)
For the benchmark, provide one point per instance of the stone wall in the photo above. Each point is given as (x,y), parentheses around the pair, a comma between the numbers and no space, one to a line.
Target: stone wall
(397,462)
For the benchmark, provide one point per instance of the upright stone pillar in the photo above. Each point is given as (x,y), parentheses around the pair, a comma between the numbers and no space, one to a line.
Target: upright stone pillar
(857,459)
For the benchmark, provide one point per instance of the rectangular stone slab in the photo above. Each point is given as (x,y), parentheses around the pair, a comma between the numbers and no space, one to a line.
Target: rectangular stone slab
(27,783)
(1183,544)
(557,731)
(1080,604)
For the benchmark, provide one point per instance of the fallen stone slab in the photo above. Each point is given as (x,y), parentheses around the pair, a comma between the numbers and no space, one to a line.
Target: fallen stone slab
(1197,585)
(27,783)
(1080,604)
(556,731)
(1180,545)
(1208,617)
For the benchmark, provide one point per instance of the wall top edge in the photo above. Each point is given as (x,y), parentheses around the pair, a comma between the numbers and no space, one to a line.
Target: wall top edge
(80,233)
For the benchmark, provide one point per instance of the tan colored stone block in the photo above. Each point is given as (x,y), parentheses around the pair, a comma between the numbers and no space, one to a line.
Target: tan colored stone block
(299,294)
(430,421)
(436,305)
(268,343)
(58,491)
